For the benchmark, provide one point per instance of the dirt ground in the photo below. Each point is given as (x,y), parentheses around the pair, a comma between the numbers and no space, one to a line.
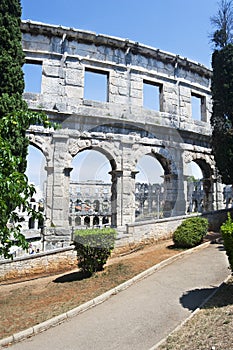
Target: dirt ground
(25,304)
(28,303)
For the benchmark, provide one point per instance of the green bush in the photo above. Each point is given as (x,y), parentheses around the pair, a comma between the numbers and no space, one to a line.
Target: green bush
(190,233)
(93,248)
(227,235)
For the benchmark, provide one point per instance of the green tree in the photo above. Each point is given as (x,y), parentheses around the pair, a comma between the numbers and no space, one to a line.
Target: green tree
(223,23)
(222,114)
(222,91)
(15,119)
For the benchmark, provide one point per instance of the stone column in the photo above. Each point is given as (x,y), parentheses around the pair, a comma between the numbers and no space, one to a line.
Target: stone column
(128,197)
(174,196)
(170,189)
(218,202)
(49,195)
(116,200)
(123,197)
(208,204)
(61,182)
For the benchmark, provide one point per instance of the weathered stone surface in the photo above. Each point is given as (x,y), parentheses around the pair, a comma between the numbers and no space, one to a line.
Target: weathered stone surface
(120,127)
(38,265)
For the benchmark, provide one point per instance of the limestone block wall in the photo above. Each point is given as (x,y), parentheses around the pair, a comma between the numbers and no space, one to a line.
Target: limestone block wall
(60,260)
(119,127)
(65,54)
(41,264)
(154,230)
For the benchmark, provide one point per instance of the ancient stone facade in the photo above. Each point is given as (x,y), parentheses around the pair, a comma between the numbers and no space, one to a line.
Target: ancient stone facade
(120,127)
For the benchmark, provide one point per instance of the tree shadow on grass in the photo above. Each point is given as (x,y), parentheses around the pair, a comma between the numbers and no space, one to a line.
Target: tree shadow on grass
(174,247)
(72,277)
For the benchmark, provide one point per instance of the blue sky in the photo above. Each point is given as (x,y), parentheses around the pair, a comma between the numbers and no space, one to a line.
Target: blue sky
(177,26)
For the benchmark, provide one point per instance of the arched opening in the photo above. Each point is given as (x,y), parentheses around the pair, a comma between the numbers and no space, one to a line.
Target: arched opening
(96,205)
(96,221)
(149,190)
(199,186)
(91,185)
(105,220)
(87,221)
(37,176)
(35,171)
(31,223)
(77,221)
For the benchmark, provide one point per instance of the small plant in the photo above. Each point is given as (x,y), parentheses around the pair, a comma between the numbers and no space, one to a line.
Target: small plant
(190,233)
(93,248)
(227,235)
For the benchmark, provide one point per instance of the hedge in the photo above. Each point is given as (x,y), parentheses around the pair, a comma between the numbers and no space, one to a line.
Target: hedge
(93,248)
(227,235)
(191,232)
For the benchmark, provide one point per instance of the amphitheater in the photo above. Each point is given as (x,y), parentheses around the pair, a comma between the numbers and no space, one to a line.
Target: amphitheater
(119,127)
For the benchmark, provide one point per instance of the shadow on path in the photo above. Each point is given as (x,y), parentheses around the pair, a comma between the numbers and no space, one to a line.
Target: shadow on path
(193,298)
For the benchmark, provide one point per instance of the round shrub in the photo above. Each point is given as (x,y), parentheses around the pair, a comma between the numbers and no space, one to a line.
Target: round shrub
(93,248)
(190,233)
(227,235)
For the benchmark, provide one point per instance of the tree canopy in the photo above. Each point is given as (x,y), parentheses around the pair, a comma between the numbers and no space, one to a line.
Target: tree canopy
(15,120)
(223,24)
(222,90)
(222,114)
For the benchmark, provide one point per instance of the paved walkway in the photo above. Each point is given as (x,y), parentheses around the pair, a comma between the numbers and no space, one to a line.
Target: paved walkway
(140,316)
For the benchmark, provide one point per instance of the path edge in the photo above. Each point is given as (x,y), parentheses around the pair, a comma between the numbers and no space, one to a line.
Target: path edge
(55,321)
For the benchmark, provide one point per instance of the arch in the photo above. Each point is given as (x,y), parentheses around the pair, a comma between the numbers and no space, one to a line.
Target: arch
(92,181)
(77,221)
(35,171)
(105,220)
(106,148)
(87,221)
(93,159)
(31,223)
(42,144)
(202,190)
(96,205)
(204,161)
(96,221)
(158,199)
(40,222)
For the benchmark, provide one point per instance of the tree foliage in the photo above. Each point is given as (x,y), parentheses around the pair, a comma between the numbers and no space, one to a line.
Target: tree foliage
(223,23)
(191,232)
(222,114)
(15,120)
(93,248)
(227,235)
(222,91)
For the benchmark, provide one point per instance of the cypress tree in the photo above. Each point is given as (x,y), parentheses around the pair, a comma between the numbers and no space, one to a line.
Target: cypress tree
(222,90)
(222,115)
(15,119)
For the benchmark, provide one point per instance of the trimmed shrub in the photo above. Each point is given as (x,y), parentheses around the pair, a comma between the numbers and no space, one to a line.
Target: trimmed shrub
(190,233)
(227,235)
(93,248)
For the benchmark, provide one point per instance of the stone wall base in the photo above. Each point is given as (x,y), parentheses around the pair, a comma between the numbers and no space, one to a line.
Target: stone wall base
(129,238)
(38,265)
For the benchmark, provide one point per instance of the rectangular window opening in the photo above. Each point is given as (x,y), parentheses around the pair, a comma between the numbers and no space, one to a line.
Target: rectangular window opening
(198,107)
(32,76)
(152,96)
(96,85)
